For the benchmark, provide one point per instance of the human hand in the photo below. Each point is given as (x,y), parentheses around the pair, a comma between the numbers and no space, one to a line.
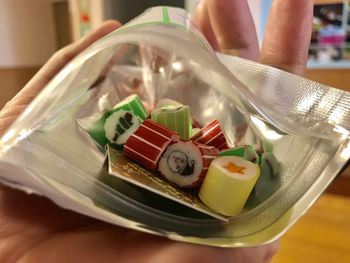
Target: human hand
(229,28)
(33,229)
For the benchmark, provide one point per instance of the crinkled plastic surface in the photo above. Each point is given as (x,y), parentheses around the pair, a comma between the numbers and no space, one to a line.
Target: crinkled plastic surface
(161,55)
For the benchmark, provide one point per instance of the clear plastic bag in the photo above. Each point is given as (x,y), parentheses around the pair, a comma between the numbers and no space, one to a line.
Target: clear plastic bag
(161,55)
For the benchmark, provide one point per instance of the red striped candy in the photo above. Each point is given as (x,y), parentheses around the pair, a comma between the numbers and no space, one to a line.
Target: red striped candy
(148,142)
(211,135)
(209,153)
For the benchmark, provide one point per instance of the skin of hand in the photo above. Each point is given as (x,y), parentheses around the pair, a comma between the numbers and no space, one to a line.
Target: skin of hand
(33,229)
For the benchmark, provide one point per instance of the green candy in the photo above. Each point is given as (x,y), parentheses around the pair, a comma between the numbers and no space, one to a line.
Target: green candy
(267,146)
(167,102)
(269,181)
(176,118)
(133,104)
(246,152)
(195,131)
(120,125)
(270,165)
(97,129)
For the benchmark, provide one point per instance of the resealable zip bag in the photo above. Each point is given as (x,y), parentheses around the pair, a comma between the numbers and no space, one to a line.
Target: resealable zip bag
(160,54)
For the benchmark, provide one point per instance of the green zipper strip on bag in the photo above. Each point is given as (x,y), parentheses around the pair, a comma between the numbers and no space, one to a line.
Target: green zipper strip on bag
(166,18)
(165,21)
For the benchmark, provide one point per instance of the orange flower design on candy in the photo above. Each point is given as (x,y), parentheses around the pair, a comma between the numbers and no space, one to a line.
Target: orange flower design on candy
(231,167)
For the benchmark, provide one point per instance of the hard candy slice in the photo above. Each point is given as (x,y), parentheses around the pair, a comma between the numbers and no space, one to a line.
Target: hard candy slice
(147,144)
(186,163)
(120,125)
(133,104)
(228,183)
(270,163)
(211,135)
(269,180)
(247,152)
(97,129)
(176,118)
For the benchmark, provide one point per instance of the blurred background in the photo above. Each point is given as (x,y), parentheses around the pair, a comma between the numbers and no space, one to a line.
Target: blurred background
(31,31)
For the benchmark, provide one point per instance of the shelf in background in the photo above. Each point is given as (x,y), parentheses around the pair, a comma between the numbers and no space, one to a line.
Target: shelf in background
(341,64)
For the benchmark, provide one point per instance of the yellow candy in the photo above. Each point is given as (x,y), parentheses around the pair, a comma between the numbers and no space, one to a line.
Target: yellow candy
(228,183)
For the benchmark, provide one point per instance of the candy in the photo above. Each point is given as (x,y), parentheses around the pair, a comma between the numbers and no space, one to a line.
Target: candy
(177,118)
(133,104)
(186,163)
(247,152)
(269,180)
(120,125)
(148,142)
(211,135)
(270,168)
(97,130)
(195,131)
(269,162)
(167,102)
(228,183)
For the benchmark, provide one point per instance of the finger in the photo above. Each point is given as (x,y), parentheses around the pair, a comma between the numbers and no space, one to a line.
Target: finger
(5,122)
(234,28)
(11,111)
(18,100)
(62,57)
(202,21)
(15,110)
(288,35)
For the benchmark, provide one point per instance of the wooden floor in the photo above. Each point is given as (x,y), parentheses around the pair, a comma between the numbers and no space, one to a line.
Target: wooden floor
(322,235)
